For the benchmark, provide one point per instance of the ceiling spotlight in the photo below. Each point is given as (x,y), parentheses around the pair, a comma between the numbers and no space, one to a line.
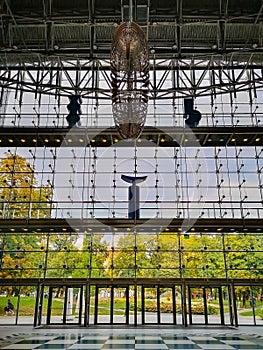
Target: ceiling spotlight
(214,47)
(255,45)
(174,47)
(56,47)
(152,51)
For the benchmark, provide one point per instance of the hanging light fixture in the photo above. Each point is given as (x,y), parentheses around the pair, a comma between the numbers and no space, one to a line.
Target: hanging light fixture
(130,78)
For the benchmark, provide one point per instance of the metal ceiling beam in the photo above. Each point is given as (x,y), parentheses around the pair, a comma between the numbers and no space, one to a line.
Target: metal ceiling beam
(165,137)
(14,226)
(146,282)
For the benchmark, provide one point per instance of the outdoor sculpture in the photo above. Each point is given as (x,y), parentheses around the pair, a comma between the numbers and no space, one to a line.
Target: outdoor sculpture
(130,79)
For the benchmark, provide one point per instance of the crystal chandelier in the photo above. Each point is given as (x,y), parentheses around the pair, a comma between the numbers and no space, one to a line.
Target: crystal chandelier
(129,79)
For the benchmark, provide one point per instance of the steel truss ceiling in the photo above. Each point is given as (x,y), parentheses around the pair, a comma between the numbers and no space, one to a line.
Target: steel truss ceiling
(84,28)
(169,79)
(196,48)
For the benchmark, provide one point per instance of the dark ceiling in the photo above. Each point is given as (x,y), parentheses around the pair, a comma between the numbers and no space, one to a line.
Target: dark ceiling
(174,28)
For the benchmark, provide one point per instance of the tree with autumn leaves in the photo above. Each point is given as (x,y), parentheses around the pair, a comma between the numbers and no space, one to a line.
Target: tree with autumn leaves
(20,197)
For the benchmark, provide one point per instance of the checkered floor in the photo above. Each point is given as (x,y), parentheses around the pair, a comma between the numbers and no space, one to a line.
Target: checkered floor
(94,341)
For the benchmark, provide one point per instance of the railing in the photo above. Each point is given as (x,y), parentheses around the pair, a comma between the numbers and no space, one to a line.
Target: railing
(149,210)
(58,120)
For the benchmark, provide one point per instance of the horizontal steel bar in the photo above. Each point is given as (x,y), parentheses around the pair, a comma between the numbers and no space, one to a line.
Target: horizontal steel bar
(165,137)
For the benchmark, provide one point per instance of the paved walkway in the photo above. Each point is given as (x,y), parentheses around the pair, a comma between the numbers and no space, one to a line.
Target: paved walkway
(150,318)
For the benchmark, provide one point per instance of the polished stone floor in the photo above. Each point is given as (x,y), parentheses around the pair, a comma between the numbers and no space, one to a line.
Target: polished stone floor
(131,338)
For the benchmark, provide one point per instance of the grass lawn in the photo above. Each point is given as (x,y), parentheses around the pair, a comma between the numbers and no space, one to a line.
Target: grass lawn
(258,312)
(27,305)
(216,304)
(104,306)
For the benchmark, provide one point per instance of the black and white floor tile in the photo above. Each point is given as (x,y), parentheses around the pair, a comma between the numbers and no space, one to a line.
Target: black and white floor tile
(131,340)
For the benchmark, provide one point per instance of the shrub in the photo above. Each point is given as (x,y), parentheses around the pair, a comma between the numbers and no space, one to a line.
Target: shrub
(168,308)
(199,310)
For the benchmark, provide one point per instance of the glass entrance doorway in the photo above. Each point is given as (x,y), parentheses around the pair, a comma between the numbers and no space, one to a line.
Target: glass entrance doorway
(140,304)
(209,305)
(249,301)
(159,305)
(65,305)
(111,305)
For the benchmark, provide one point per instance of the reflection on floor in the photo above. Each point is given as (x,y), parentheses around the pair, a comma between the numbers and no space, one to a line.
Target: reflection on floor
(132,339)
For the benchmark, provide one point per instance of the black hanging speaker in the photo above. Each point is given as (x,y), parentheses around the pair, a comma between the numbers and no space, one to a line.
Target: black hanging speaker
(188,105)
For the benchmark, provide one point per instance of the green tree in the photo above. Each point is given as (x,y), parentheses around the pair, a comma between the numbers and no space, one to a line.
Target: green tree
(244,255)
(21,197)
(99,250)
(64,257)
(202,256)
(133,253)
